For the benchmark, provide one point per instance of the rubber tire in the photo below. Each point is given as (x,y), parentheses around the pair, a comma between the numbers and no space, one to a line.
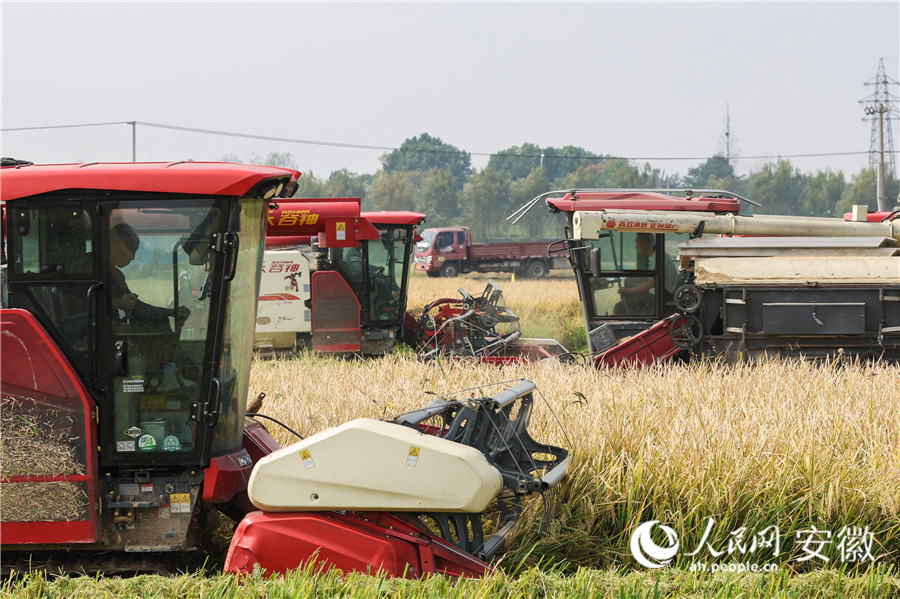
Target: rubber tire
(537,269)
(449,270)
(688,298)
(688,334)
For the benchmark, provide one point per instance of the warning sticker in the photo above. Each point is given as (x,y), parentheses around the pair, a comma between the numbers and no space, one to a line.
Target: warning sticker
(413,458)
(134,384)
(307,459)
(340,231)
(180,503)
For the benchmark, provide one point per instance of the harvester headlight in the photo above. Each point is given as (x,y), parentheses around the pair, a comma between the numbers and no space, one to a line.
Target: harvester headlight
(271,190)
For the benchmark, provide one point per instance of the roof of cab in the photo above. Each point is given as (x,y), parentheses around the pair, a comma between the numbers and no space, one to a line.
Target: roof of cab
(202,178)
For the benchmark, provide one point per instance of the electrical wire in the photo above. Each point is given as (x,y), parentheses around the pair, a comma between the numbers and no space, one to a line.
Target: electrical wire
(596,158)
(278,422)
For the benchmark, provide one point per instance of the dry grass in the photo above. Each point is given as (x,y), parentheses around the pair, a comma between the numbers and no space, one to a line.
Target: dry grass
(37,439)
(782,442)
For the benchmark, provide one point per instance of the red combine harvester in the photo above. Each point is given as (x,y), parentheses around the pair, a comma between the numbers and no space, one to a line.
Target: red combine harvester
(334,279)
(125,356)
(651,285)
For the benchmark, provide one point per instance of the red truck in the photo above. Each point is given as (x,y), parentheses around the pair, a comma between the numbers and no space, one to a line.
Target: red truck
(449,251)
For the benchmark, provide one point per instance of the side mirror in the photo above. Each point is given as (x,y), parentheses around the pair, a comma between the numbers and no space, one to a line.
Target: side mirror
(595,262)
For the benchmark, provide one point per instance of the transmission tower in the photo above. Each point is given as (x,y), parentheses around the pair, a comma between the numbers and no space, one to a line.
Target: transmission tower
(881,110)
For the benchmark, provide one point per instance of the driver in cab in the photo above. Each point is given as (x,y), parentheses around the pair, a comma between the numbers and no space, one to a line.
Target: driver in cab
(124,243)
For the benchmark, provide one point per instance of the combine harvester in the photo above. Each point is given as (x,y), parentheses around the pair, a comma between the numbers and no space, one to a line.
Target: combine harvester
(334,279)
(125,356)
(651,286)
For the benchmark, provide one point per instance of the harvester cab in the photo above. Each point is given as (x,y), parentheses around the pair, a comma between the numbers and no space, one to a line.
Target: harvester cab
(127,347)
(127,341)
(334,278)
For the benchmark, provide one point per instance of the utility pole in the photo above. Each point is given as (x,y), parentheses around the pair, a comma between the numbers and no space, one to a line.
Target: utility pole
(879,179)
(879,110)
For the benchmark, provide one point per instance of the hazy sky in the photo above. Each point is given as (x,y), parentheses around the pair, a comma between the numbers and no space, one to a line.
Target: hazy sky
(637,80)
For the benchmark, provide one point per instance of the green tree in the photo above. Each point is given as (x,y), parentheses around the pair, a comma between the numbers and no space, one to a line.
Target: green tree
(519,161)
(862,190)
(559,163)
(309,186)
(777,188)
(516,162)
(703,175)
(582,178)
(822,192)
(426,152)
(439,198)
(391,192)
(523,191)
(487,204)
(620,173)
(344,184)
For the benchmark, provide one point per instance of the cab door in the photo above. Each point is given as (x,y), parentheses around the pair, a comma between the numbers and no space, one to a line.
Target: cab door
(161,292)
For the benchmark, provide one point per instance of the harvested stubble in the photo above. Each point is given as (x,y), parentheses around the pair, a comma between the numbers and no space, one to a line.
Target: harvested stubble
(37,440)
(785,443)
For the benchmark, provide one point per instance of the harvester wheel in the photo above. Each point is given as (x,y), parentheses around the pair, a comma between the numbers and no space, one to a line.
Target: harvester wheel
(688,298)
(686,331)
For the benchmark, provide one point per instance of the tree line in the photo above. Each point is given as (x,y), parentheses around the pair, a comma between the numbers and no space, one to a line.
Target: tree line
(427,175)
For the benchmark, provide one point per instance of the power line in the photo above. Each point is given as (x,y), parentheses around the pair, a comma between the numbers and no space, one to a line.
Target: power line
(65,126)
(431,150)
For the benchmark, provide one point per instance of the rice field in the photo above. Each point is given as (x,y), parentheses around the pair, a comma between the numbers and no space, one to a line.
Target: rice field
(729,453)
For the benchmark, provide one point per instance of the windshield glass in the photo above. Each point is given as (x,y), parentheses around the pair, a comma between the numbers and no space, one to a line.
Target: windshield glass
(630,271)
(387,266)
(428,236)
(237,348)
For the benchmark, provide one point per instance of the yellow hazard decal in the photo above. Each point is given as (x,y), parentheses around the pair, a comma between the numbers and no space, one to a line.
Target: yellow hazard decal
(340,231)
(180,503)
(413,458)
(307,459)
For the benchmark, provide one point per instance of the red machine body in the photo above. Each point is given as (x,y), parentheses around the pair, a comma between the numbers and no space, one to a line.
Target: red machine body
(36,372)
(641,200)
(373,542)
